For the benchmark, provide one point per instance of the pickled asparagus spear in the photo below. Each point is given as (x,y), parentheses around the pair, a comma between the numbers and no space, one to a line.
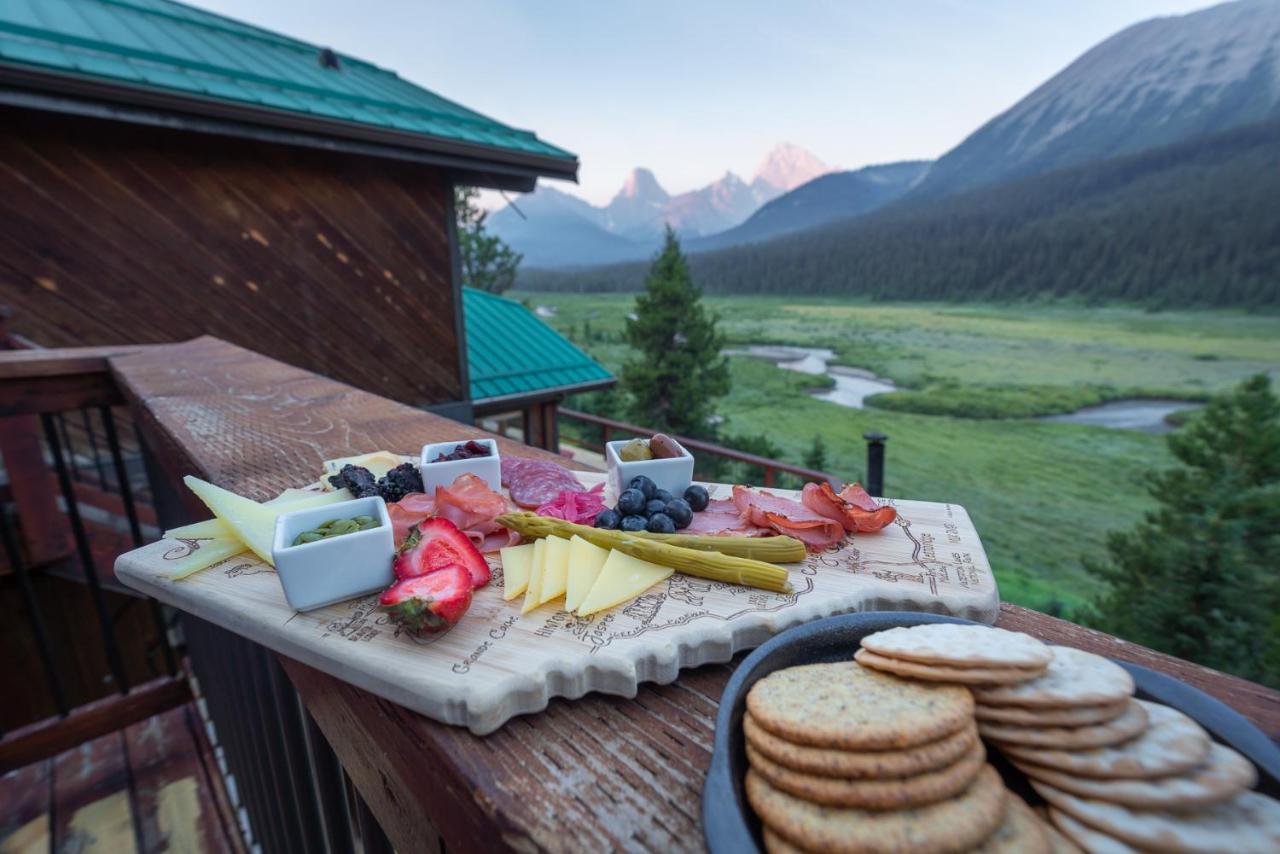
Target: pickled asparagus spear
(714,565)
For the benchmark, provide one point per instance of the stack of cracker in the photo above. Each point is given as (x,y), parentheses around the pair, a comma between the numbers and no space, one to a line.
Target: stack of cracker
(845,758)
(1118,774)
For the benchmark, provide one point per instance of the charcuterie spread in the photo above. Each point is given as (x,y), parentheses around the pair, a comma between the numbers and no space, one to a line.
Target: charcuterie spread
(888,752)
(560,560)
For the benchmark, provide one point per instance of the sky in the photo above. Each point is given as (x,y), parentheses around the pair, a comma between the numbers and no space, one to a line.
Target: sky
(691,89)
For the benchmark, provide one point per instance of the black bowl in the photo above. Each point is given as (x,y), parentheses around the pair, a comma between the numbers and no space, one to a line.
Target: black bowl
(728,823)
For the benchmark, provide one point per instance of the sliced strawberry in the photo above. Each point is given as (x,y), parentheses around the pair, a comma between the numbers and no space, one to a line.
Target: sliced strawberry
(435,543)
(428,603)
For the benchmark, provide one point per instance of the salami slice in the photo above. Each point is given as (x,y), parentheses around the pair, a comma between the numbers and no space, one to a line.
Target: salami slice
(535,482)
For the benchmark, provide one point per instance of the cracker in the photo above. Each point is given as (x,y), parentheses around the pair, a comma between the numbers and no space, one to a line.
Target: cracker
(1129,725)
(775,844)
(1021,832)
(1067,716)
(1247,822)
(954,824)
(860,764)
(1058,844)
(1172,743)
(1074,678)
(1223,775)
(943,673)
(1093,841)
(847,706)
(893,794)
(958,645)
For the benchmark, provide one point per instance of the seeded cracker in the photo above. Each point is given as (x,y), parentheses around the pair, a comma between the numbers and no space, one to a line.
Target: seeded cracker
(951,825)
(1093,841)
(1021,832)
(847,706)
(860,764)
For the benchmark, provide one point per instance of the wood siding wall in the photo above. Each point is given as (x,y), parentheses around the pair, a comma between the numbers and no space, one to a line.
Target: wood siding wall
(111,233)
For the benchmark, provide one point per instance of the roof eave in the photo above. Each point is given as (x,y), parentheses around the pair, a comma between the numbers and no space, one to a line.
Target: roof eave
(508,402)
(78,95)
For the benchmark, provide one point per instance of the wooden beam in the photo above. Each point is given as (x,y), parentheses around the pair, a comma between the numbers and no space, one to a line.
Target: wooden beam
(52,736)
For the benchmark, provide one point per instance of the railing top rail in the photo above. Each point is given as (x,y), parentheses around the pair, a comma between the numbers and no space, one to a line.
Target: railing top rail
(707,447)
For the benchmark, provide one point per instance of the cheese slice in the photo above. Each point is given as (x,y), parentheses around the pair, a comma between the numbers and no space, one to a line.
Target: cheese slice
(623,577)
(555,576)
(254,524)
(585,562)
(378,463)
(537,566)
(209,553)
(208,529)
(516,563)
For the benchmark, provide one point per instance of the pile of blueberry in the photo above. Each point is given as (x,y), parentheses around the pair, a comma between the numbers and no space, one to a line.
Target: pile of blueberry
(644,507)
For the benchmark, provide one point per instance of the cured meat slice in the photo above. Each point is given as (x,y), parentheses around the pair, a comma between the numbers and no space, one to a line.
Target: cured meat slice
(722,517)
(533,483)
(853,508)
(787,517)
(468,503)
(578,507)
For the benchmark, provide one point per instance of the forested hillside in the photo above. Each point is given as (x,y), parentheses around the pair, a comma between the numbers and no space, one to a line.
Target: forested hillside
(1195,223)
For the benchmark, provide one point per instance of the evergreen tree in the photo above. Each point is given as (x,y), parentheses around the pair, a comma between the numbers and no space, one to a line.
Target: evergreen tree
(1197,577)
(816,457)
(488,264)
(678,372)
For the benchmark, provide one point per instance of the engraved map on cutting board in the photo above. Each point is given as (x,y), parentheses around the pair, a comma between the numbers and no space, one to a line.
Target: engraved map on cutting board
(496,662)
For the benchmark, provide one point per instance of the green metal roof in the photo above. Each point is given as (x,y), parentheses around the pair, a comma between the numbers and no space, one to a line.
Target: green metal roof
(511,352)
(162,46)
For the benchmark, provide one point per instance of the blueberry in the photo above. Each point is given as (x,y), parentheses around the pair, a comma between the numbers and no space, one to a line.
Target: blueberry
(634,523)
(680,512)
(631,502)
(645,485)
(655,506)
(660,523)
(663,495)
(697,498)
(608,519)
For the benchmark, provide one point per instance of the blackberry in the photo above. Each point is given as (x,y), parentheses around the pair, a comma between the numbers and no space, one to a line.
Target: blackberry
(358,479)
(399,482)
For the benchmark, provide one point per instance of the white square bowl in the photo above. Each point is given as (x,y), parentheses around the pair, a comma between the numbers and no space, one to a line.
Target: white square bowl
(488,469)
(673,474)
(317,574)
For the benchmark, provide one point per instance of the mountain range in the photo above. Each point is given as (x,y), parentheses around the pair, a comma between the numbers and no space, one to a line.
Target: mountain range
(1142,123)
(552,228)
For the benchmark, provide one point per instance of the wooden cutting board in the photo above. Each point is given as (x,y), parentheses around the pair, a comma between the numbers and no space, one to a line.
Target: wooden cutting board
(496,663)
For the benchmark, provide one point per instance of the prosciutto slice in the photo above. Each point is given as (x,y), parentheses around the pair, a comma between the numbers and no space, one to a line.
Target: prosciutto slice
(855,510)
(787,517)
(468,502)
(723,518)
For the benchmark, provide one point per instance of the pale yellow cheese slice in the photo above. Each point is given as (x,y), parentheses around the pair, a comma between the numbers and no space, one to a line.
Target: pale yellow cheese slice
(209,553)
(623,577)
(253,523)
(537,567)
(378,463)
(555,577)
(585,562)
(207,529)
(517,561)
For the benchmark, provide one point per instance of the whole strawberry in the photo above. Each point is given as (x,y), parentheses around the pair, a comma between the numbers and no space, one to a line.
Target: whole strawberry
(428,603)
(435,543)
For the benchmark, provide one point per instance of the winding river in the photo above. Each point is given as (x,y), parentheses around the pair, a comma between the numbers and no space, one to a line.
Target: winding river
(852,385)
(1147,416)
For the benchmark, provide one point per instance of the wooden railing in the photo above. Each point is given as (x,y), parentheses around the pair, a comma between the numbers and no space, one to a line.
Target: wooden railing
(56,465)
(609,427)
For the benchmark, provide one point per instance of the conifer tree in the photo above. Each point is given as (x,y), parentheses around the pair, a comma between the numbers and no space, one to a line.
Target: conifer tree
(816,457)
(677,372)
(487,262)
(1197,578)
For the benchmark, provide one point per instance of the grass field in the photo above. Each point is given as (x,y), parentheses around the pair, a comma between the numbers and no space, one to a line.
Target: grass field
(1042,495)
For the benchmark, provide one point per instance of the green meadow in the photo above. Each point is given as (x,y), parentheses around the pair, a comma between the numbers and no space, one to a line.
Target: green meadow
(1043,495)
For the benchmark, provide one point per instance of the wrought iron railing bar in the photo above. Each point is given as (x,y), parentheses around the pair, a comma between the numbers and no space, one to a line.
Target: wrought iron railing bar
(81,538)
(135,528)
(33,610)
(286,827)
(289,731)
(66,444)
(327,785)
(93,449)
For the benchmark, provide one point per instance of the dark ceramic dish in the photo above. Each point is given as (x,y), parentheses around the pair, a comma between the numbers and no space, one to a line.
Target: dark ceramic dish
(729,825)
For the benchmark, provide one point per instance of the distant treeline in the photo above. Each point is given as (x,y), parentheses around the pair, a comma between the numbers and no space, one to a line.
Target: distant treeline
(1196,223)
